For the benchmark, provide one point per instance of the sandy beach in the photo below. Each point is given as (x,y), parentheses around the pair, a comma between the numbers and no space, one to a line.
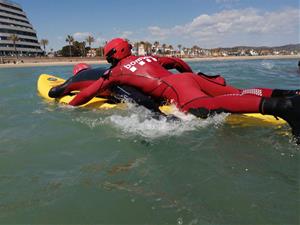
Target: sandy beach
(33,62)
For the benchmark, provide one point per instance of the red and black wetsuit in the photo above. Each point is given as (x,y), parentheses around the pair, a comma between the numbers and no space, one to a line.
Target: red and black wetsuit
(187,90)
(76,83)
(115,93)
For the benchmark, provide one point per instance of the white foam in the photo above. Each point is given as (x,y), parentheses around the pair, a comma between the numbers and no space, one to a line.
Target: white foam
(267,65)
(139,121)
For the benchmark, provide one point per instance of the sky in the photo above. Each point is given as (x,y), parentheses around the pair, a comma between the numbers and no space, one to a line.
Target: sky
(206,23)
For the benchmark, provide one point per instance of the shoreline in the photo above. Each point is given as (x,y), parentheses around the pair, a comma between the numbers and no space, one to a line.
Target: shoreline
(66,62)
(224,58)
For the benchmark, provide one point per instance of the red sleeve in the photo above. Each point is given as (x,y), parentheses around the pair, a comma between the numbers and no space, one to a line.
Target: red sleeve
(88,93)
(174,63)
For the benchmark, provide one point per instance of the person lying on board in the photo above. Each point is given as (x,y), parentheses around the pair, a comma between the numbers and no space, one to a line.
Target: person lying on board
(190,92)
(85,75)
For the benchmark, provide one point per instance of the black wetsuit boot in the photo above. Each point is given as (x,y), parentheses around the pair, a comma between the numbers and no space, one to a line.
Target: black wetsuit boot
(285,108)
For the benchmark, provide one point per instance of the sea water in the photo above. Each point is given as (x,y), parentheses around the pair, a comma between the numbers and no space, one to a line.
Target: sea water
(63,165)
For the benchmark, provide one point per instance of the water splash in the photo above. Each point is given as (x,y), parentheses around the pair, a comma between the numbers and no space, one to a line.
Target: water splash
(139,121)
(267,65)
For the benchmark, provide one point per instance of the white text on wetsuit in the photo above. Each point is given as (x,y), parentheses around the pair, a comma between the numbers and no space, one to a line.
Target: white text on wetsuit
(140,61)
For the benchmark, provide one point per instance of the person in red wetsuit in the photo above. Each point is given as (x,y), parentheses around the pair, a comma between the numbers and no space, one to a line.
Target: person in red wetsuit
(85,75)
(193,93)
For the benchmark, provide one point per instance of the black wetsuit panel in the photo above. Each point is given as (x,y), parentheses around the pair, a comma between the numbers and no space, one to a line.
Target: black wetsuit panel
(90,74)
(133,94)
(85,75)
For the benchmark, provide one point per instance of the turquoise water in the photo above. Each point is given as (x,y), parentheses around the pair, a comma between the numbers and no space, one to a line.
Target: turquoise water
(60,165)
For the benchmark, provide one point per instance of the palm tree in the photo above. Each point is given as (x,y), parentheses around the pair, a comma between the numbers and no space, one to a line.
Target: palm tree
(156,44)
(70,40)
(137,45)
(44,42)
(171,49)
(83,44)
(90,40)
(164,46)
(194,49)
(148,47)
(179,48)
(14,38)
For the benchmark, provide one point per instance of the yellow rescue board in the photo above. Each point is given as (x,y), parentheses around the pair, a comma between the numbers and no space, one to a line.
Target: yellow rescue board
(46,82)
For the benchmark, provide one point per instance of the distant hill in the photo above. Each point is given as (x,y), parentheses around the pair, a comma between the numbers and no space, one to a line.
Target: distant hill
(289,47)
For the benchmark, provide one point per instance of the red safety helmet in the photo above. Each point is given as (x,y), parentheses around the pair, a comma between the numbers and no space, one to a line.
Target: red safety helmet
(80,67)
(117,49)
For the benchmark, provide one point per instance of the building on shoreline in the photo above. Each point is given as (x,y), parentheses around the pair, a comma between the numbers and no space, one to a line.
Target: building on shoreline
(146,48)
(13,20)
